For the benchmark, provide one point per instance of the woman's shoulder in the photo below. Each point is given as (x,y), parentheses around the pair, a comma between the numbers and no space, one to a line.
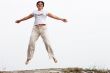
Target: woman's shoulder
(45,11)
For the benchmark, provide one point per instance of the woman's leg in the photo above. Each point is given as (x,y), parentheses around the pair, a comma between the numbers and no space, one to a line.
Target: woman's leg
(31,47)
(47,44)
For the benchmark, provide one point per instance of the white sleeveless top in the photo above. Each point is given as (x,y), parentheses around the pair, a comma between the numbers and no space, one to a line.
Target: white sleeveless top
(40,16)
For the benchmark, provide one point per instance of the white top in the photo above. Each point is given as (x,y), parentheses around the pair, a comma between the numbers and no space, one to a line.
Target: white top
(40,16)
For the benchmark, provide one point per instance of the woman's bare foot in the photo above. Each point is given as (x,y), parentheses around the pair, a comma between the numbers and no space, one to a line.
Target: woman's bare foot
(54,60)
(27,61)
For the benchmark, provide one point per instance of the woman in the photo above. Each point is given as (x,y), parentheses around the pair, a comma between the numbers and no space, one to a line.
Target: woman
(39,29)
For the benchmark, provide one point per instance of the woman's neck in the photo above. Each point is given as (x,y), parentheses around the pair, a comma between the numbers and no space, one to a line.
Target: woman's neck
(40,9)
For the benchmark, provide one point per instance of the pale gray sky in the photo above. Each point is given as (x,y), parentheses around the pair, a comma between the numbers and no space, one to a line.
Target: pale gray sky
(84,41)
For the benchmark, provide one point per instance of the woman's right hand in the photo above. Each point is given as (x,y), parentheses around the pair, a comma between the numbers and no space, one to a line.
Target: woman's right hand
(17,21)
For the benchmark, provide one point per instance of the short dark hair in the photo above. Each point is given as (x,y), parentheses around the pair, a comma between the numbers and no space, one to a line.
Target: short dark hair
(40,2)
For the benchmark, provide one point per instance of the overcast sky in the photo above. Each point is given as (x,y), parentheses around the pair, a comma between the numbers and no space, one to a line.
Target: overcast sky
(84,41)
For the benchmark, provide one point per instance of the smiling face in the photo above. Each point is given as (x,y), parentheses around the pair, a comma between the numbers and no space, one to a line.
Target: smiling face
(40,5)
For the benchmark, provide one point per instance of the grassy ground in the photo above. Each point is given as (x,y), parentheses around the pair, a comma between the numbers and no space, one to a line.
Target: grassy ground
(61,70)
(87,70)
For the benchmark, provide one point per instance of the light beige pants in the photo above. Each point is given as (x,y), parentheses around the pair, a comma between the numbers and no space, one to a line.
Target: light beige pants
(36,32)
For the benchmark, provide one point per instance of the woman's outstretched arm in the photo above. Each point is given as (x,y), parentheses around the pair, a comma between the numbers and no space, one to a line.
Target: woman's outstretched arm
(25,18)
(56,17)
